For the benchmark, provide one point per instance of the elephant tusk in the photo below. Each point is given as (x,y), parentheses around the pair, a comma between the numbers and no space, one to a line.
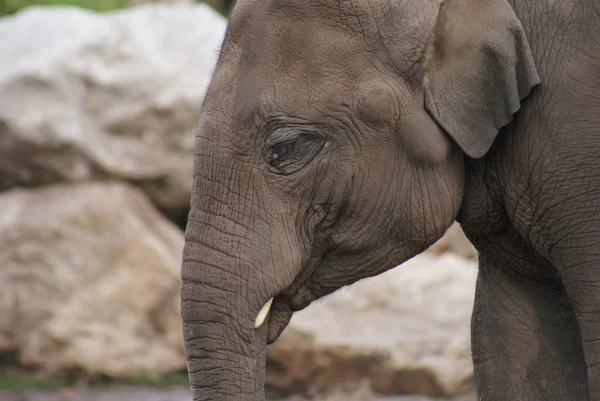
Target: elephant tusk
(262,315)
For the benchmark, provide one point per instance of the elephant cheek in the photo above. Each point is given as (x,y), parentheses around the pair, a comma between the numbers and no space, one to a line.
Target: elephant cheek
(423,140)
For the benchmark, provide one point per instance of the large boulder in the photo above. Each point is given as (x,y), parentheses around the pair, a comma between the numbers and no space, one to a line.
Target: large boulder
(90,281)
(405,331)
(95,96)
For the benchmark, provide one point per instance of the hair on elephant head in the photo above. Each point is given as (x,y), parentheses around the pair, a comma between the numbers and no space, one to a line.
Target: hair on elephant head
(331,148)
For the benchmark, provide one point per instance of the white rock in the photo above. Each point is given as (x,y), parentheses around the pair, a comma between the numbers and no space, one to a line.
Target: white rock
(90,280)
(88,95)
(407,331)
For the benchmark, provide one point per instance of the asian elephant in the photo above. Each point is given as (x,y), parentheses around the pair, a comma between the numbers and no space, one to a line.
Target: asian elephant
(339,138)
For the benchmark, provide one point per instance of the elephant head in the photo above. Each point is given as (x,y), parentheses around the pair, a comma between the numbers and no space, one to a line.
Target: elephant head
(331,147)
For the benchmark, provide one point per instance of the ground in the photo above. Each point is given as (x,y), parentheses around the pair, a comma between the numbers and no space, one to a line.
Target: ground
(137,393)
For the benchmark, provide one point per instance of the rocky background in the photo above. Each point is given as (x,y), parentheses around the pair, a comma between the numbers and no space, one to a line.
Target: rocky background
(97,120)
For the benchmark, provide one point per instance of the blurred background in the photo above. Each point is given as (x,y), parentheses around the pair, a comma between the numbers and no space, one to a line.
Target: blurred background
(98,106)
(12,6)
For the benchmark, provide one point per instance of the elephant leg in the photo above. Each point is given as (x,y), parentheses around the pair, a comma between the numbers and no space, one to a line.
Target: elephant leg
(525,340)
(582,282)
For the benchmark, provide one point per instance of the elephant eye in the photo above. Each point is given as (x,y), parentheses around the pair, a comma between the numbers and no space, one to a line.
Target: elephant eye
(288,152)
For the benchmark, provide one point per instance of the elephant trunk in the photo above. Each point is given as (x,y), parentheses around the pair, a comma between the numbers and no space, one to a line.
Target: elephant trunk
(226,355)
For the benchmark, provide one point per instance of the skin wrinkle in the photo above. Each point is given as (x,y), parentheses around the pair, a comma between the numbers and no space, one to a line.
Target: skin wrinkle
(236,239)
(521,324)
(562,205)
(379,35)
(382,191)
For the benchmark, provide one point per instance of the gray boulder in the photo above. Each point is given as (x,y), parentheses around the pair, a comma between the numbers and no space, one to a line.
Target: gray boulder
(95,96)
(90,281)
(405,332)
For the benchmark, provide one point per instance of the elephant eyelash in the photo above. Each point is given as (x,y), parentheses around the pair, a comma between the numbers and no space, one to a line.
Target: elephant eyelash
(289,150)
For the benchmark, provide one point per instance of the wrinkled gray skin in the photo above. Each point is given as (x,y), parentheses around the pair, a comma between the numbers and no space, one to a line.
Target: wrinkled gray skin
(341,138)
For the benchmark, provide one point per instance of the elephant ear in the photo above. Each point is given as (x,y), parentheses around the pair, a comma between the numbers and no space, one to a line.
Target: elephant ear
(479,67)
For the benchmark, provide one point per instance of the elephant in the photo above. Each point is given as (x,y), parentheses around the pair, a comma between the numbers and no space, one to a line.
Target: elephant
(340,138)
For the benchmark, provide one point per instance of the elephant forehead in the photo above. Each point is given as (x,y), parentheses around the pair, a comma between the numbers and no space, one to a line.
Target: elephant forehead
(319,42)
(349,13)
(285,74)
(296,61)
(322,28)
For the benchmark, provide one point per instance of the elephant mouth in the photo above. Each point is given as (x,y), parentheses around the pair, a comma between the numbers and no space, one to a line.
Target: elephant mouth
(279,317)
(283,307)
(297,296)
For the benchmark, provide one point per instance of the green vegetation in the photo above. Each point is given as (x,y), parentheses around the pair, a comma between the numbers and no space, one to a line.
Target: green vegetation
(143,379)
(8,7)
(12,6)
(222,6)
(15,382)
(23,381)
